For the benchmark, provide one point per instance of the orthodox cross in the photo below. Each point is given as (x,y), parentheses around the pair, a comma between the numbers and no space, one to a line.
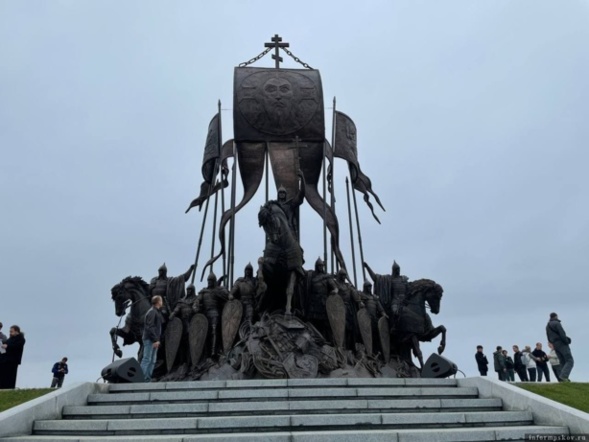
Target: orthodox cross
(276,44)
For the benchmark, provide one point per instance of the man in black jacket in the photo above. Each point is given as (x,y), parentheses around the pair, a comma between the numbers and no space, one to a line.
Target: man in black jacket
(559,339)
(482,362)
(152,332)
(519,366)
(541,359)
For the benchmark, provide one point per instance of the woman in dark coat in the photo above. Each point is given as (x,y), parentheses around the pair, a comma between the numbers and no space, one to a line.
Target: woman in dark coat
(10,360)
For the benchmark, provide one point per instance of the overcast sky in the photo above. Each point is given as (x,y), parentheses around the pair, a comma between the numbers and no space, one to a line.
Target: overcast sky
(472,124)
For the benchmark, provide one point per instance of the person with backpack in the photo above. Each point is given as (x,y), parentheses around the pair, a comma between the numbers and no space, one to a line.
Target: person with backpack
(530,363)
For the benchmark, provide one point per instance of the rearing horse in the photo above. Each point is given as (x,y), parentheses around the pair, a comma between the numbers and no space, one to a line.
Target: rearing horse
(133,292)
(415,324)
(283,256)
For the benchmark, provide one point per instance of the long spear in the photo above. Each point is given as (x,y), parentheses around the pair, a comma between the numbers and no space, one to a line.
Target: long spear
(359,233)
(222,186)
(333,127)
(202,229)
(351,231)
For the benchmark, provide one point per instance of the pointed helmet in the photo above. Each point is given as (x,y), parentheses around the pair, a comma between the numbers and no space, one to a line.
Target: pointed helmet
(163,267)
(396,269)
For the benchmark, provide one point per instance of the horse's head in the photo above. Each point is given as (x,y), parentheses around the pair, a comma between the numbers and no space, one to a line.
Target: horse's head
(270,222)
(125,293)
(431,292)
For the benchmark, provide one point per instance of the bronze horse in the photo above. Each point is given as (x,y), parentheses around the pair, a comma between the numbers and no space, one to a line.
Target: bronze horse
(130,292)
(283,256)
(414,324)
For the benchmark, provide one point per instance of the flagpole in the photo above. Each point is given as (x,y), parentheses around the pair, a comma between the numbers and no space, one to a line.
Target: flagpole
(216,172)
(359,232)
(351,232)
(333,147)
(232,230)
(325,210)
(222,184)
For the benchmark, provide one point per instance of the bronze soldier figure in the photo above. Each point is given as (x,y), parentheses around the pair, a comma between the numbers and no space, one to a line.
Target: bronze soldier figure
(178,340)
(319,286)
(245,289)
(392,290)
(211,299)
(352,302)
(170,289)
(375,310)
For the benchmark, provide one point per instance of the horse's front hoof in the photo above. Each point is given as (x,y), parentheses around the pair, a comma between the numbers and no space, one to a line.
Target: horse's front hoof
(119,352)
(440,349)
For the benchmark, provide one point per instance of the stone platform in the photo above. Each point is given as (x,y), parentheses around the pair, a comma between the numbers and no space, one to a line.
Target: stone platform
(290,410)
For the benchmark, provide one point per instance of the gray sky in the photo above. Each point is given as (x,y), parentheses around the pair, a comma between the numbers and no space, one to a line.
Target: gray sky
(471,122)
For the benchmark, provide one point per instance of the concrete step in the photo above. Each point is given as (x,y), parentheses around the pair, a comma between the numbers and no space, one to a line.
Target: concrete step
(265,423)
(279,407)
(264,394)
(485,434)
(282,383)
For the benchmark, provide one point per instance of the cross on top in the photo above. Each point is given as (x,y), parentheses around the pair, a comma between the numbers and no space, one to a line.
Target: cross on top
(276,44)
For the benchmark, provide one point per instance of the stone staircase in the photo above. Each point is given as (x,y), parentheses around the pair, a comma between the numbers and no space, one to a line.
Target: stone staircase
(291,410)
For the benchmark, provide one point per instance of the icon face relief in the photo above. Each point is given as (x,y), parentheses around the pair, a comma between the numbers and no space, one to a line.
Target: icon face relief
(278,104)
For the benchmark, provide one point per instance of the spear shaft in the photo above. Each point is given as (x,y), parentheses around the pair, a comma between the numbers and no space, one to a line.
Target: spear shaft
(359,233)
(351,231)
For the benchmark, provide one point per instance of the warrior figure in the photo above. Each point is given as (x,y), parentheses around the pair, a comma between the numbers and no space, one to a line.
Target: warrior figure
(391,289)
(185,310)
(352,301)
(319,286)
(375,310)
(170,289)
(246,290)
(291,207)
(211,299)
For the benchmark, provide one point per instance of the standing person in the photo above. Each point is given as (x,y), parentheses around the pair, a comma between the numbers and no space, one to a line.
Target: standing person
(152,333)
(59,371)
(509,367)
(10,360)
(519,365)
(530,363)
(482,362)
(554,362)
(561,342)
(499,363)
(541,362)
(3,337)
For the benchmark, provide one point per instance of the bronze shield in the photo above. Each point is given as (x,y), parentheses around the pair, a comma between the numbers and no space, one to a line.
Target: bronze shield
(197,336)
(230,320)
(173,337)
(365,326)
(336,313)
(385,338)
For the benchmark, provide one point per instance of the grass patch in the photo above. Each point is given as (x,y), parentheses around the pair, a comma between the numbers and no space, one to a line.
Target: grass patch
(12,398)
(573,394)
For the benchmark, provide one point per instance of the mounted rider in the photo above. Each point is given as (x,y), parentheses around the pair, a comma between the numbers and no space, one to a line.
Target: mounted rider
(290,207)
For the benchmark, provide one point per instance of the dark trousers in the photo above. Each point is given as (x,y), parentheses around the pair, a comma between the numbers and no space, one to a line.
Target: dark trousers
(543,368)
(532,374)
(563,351)
(501,375)
(522,373)
(556,371)
(8,375)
